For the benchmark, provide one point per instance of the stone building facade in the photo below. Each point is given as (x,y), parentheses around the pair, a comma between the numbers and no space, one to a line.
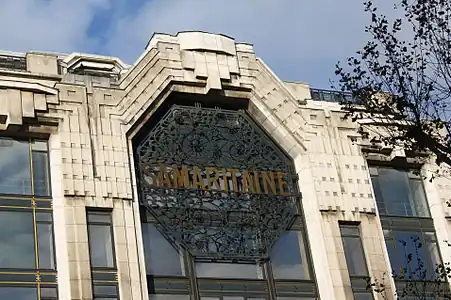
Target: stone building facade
(82,219)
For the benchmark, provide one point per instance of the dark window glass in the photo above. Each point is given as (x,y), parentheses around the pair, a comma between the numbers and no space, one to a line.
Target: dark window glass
(45,246)
(412,254)
(48,293)
(161,257)
(363,296)
(104,290)
(288,257)
(100,242)
(22,293)
(228,270)
(16,240)
(399,193)
(353,248)
(41,180)
(168,297)
(15,167)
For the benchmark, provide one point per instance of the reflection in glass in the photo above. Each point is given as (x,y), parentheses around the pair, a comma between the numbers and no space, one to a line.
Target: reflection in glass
(355,258)
(288,258)
(419,197)
(16,240)
(104,290)
(41,173)
(100,246)
(45,246)
(228,270)
(161,257)
(399,193)
(413,254)
(169,297)
(21,293)
(15,167)
(363,296)
(49,293)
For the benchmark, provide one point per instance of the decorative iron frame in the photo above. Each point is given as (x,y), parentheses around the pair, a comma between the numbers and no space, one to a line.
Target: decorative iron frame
(218,224)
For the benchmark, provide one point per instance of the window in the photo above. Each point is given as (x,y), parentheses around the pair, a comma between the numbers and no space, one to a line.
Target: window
(229,270)
(26,221)
(161,257)
(355,259)
(408,229)
(25,164)
(399,193)
(353,248)
(288,257)
(101,251)
(412,254)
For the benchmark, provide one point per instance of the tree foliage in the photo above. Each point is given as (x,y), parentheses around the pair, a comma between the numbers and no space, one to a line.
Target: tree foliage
(402,76)
(415,280)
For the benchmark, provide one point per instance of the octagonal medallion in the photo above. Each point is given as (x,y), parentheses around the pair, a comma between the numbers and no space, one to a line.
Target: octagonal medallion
(216,183)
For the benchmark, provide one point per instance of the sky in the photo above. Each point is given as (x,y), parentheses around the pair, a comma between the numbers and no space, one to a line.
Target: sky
(300,40)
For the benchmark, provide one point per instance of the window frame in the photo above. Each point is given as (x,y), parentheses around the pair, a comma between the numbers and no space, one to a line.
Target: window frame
(37,278)
(409,178)
(355,279)
(103,276)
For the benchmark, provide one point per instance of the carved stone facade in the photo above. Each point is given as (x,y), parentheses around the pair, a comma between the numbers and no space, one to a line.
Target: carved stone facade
(90,107)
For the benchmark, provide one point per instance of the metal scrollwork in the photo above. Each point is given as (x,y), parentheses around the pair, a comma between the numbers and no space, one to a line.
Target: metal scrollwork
(216,183)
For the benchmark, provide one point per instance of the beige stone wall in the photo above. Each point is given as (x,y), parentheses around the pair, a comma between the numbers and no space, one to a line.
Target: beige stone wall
(92,118)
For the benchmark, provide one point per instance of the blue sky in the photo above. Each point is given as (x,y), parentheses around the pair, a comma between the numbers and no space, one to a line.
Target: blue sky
(301,40)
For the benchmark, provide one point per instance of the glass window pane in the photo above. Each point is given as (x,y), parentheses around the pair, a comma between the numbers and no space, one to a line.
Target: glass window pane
(378,195)
(228,270)
(411,254)
(349,230)
(161,257)
(39,145)
(419,197)
(22,293)
(101,246)
(288,257)
(41,173)
(15,167)
(99,217)
(16,240)
(394,187)
(45,246)
(104,290)
(44,217)
(363,296)
(169,297)
(355,257)
(49,293)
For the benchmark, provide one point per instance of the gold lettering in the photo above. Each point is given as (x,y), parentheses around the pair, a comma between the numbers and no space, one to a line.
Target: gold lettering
(268,182)
(282,184)
(225,180)
(181,177)
(257,183)
(234,181)
(246,179)
(198,181)
(164,178)
(213,180)
(152,176)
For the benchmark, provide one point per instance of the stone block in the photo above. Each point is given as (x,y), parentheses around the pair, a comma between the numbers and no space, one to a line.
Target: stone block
(42,63)
(14,106)
(27,104)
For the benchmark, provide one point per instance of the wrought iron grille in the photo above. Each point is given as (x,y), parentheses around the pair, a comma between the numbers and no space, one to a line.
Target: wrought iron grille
(208,177)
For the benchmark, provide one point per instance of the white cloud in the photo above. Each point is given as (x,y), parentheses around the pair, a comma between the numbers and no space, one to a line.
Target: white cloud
(300,40)
(47,25)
